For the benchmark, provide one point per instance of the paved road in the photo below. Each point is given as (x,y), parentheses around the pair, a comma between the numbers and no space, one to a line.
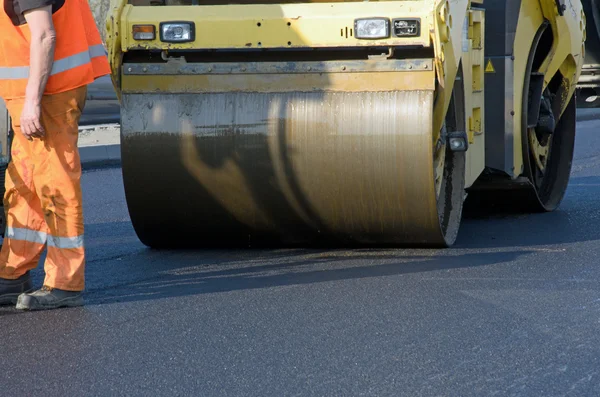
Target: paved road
(102,105)
(513,309)
(101,112)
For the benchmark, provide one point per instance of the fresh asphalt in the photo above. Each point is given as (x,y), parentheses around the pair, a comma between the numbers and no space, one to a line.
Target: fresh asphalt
(513,309)
(102,105)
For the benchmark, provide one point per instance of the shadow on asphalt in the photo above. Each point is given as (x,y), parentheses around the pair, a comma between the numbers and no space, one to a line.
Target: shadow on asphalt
(8,311)
(146,274)
(180,273)
(505,225)
(189,276)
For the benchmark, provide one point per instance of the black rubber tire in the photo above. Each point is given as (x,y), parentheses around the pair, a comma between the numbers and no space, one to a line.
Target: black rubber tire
(548,191)
(509,197)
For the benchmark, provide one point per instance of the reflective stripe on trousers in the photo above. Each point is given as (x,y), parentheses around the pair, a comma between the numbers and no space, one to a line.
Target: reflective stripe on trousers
(59,65)
(43,196)
(35,236)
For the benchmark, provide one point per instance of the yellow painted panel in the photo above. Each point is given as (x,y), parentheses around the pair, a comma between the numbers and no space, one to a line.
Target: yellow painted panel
(310,82)
(477,120)
(565,55)
(276,25)
(477,78)
(475,99)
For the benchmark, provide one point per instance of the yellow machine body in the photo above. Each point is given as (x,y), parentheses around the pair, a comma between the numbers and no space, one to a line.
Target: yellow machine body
(566,55)
(276,123)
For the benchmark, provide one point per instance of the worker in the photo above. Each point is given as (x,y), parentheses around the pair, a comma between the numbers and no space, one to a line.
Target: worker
(50,50)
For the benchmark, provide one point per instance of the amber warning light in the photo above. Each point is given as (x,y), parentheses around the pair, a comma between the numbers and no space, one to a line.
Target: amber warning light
(144,32)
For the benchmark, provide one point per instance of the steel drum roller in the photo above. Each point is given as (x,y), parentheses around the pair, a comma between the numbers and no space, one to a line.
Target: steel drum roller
(242,168)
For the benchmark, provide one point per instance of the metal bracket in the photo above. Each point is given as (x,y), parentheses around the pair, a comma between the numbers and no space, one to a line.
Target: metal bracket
(387,55)
(165,57)
(178,66)
(536,85)
(458,141)
(561,7)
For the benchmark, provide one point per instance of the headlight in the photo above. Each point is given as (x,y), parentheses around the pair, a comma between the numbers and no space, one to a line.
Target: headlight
(407,27)
(372,28)
(177,32)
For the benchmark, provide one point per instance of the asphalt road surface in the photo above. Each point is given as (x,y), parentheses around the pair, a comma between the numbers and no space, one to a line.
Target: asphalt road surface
(513,309)
(101,112)
(102,105)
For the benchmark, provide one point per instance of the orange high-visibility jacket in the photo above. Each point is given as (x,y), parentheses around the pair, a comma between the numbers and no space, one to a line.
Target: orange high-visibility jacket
(79,55)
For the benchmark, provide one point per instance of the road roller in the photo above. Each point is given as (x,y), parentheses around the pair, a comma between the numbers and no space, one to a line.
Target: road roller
(250,123)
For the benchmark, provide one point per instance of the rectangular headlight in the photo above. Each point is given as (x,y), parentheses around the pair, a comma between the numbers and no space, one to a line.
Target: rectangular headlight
(407,27)
(372,28)
(143,32)
(177,32)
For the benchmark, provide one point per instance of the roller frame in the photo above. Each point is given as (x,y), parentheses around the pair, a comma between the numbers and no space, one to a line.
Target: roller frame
(293,210)
(509,40)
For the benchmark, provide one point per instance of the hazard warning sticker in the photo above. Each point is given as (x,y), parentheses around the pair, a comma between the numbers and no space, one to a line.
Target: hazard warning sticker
(489,68)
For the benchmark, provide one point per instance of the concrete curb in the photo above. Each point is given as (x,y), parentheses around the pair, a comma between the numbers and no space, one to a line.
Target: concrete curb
(99,145)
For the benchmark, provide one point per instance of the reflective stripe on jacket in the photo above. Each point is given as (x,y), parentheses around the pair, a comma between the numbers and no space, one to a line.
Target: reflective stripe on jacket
(79,55)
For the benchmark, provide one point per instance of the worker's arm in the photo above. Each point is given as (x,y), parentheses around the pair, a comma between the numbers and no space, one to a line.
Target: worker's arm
(43,39)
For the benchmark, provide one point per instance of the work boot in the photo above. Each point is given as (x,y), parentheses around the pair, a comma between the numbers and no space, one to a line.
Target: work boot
(11,289)
(49,298)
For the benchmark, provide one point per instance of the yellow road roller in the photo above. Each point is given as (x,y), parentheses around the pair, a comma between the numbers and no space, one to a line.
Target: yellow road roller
(251,123)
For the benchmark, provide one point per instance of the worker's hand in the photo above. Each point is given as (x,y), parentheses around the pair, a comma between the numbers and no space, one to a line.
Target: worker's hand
(31,124)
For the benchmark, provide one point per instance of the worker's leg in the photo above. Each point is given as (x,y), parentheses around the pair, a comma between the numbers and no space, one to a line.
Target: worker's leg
(57,182)
(26,230)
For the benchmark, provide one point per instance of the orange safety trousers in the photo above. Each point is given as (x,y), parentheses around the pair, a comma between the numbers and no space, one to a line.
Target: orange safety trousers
(43,202)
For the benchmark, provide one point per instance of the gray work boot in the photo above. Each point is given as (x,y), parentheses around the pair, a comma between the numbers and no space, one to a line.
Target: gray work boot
(11,289)
(49,298)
